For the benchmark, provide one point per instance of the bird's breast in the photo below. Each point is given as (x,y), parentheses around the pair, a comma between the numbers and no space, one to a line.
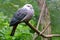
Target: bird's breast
(28,17)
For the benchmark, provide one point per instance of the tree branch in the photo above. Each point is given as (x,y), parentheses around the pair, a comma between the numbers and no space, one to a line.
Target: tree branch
(39,33)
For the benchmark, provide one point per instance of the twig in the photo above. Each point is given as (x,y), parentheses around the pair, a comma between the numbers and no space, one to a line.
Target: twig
(45,28)
(52,35)
(41,14)
(35,36)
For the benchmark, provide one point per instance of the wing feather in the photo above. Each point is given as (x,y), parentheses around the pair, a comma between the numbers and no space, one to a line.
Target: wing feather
(20,14)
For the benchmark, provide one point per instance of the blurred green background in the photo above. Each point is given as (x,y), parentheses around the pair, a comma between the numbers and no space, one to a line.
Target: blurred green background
(23,32)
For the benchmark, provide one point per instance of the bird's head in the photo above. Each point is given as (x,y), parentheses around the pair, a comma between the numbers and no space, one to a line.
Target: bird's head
(28,6)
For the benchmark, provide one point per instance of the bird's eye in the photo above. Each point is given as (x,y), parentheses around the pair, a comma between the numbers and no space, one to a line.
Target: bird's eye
(28,6)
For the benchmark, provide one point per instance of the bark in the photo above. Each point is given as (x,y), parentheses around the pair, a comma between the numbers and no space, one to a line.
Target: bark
(44,18)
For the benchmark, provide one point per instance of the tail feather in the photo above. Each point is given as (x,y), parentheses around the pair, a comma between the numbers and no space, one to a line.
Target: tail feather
(13,30)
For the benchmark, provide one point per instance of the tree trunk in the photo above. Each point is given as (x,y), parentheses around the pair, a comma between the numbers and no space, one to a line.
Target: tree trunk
(44,22)
(45,17)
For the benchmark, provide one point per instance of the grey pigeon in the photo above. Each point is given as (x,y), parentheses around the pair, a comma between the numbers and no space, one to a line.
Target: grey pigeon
(23,14)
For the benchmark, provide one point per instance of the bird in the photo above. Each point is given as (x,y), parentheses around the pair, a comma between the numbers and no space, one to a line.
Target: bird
(23,14)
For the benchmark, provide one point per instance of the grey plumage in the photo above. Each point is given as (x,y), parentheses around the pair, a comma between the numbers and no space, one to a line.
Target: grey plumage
(20,14)
(23,14)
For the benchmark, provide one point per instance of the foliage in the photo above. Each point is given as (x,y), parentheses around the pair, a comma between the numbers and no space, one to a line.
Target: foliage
(7,9)
(5,31)
(54,9)
(23,32)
